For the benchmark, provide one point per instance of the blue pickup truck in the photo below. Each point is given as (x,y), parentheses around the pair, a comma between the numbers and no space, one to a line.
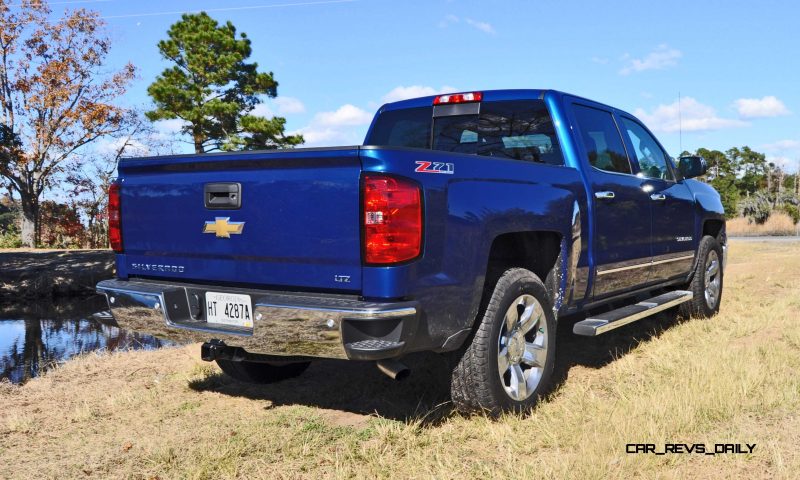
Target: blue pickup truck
(466,224)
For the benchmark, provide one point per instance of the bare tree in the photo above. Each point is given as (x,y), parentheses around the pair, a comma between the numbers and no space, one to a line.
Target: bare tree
(55,97)
(797,180)
(97,169)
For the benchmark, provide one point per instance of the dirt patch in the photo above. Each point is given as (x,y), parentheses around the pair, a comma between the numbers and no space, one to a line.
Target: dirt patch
(52,273)
(345,419)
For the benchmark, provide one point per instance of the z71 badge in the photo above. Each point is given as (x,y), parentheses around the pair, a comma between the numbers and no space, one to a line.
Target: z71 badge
(435,167)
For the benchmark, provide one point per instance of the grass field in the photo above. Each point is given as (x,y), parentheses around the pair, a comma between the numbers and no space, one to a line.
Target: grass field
(778,224)
(166,414)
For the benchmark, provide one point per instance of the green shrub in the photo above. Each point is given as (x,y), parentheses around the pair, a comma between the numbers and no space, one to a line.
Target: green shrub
(757,207)
(9,227)
(10,239)
(793,211)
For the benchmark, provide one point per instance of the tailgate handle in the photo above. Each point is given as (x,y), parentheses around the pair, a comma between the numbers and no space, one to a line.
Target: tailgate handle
(223,196)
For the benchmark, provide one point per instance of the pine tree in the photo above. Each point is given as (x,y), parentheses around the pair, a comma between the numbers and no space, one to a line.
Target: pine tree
(213,88)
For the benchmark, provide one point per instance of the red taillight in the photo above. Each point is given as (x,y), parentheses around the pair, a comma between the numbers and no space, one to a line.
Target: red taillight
(114,218)
(392,219)
(458,98)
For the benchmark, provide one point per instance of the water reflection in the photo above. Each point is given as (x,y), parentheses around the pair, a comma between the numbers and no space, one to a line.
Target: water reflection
(38,336)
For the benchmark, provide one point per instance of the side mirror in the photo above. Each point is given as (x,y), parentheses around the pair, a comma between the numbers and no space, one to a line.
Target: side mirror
(693,166)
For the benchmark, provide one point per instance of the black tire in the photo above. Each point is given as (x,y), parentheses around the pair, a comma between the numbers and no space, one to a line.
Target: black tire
(703,305)
(477,384)
(261,373)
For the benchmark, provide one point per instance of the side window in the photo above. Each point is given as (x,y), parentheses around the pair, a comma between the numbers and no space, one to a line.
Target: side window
(652,160)
(602,140)
(519,131)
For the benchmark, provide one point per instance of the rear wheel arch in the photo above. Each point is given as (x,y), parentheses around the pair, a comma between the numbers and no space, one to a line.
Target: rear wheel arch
(540,252)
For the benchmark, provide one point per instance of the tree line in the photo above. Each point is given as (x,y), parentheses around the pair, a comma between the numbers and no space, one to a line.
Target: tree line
(63,126)
(751,186)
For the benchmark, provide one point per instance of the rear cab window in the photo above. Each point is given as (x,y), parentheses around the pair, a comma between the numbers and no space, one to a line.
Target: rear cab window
(517,130)
(405,127)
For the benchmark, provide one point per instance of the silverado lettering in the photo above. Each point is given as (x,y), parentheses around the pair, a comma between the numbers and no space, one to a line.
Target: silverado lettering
(157,268)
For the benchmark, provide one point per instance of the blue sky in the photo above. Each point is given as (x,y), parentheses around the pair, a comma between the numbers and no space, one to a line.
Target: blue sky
(734,63)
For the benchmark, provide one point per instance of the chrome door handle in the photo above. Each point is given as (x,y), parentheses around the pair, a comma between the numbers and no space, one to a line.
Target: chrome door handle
(604,195)
(658,197)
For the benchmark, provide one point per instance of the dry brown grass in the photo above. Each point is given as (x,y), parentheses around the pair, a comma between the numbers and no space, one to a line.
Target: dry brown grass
(778,223)
(166,414)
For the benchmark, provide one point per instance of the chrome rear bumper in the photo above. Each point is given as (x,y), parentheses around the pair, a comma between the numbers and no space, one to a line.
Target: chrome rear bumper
(287,324)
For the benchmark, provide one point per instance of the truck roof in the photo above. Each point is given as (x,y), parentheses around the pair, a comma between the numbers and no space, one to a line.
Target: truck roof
(492,96)
(488,96)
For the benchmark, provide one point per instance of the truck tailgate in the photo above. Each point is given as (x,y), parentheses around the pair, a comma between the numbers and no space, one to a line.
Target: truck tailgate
(299,219)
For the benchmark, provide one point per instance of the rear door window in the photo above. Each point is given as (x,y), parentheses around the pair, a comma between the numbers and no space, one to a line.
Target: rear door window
(602,140)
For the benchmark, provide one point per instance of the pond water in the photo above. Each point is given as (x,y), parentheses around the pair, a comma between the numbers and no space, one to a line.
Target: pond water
(37,336)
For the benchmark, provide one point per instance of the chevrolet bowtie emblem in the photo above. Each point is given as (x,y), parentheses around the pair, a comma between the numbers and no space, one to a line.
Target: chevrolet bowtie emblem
(222,228)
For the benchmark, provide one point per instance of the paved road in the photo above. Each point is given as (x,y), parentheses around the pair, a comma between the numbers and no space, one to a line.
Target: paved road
(765,239)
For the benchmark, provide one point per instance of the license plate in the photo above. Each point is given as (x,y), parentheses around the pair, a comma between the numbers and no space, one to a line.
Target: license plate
(229,309)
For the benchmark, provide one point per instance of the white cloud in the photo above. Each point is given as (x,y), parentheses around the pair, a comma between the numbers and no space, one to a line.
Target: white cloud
(786,164)
(343,126)
(413,91)
(448,20)
(691,115)
(784,153)
(111,146)
(281,106)
(289,105)
(328,137)
(768,106)
(482,26)
(346,115)
(659,59)
(169,127)
(262,110)
(782,145)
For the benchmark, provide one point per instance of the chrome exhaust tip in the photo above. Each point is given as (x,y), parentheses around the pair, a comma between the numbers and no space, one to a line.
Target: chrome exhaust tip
(393,369)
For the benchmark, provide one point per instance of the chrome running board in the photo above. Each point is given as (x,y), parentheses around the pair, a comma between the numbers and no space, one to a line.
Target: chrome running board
(591,327)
